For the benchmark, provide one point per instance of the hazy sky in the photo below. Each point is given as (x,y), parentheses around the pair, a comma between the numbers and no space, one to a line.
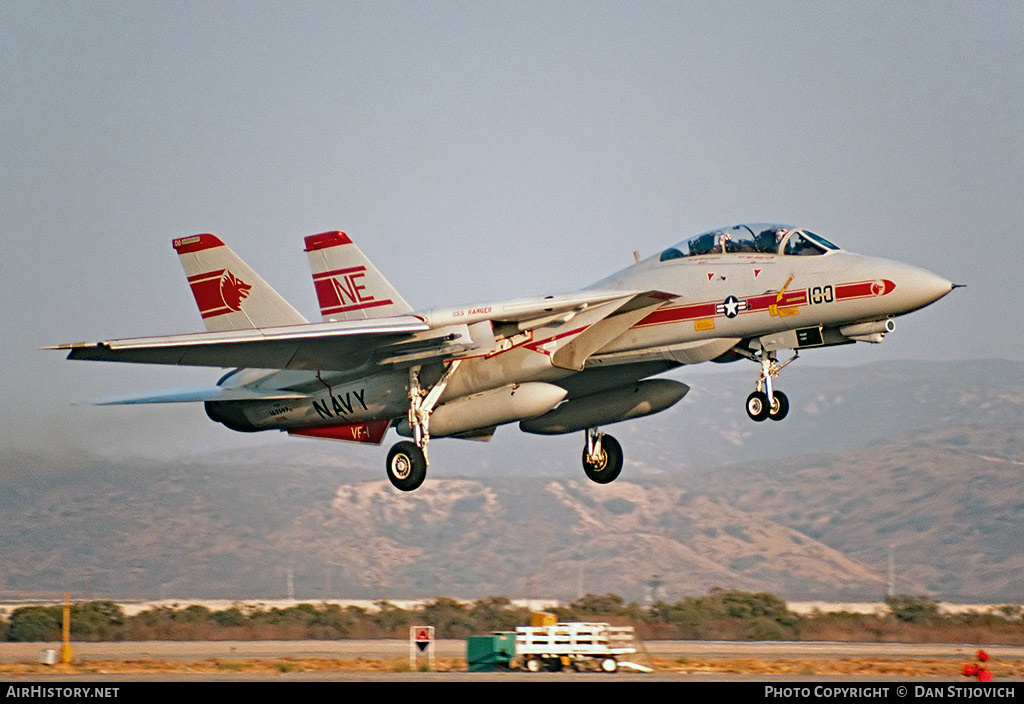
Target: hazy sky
(481,150)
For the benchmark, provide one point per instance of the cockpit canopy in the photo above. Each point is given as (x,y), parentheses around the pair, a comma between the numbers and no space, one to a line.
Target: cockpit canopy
(755,238)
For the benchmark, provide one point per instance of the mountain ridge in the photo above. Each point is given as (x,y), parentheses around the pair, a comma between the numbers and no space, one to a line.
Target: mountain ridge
(899,465)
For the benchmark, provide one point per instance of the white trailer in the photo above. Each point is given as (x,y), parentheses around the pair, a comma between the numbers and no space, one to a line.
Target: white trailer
(580,645)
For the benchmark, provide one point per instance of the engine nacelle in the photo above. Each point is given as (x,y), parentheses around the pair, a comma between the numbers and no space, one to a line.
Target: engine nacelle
(231,414)
(490,408)
(622,403)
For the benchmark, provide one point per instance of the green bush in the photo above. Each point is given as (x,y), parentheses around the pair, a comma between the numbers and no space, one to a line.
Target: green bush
(497,613)
(35,623)
(449,617)
(390,619)
(912,609)
(719,614)
(95,620)
(761,628)
(229,617)
(196,613)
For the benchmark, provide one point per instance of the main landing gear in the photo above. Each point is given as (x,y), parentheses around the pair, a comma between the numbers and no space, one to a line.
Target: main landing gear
(602,457)
(765,402)
(407,461)
(407,466)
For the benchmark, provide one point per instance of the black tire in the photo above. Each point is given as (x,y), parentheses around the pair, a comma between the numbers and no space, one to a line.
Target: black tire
(757,406)
(607,470)
(406,467)
(609,665)
(534,665)
(781,408)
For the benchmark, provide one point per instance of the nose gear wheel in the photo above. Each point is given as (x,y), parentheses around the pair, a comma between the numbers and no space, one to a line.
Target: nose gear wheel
(779,409)
(757,406)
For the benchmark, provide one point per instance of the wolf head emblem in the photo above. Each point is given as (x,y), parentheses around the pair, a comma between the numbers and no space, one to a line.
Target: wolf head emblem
(233,290)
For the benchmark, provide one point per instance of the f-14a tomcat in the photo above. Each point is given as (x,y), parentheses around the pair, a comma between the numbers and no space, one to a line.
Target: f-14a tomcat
(560,363)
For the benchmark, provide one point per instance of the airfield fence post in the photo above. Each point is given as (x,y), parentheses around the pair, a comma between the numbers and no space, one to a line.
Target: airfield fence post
(65,648)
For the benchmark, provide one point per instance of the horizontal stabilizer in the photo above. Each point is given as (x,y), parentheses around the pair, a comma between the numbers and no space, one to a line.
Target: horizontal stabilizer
(211,393)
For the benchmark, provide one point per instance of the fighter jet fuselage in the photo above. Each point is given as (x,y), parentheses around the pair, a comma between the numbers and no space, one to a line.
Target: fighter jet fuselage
(555,364)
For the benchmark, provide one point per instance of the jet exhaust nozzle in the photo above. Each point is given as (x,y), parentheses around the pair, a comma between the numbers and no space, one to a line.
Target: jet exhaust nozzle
(231,414)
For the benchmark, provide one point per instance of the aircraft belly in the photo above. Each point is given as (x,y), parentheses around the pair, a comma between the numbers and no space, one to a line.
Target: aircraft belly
(383,396)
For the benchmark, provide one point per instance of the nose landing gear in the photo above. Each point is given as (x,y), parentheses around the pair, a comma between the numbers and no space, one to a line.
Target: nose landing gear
(765,402)
(759,408)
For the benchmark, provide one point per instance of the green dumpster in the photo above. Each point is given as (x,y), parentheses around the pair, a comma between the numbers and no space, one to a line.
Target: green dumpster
(489,653)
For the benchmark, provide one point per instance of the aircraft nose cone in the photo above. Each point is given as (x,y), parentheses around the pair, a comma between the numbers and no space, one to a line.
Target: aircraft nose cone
(926,287)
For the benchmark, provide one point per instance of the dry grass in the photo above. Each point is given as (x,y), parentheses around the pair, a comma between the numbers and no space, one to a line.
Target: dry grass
(866,667)
(260,666)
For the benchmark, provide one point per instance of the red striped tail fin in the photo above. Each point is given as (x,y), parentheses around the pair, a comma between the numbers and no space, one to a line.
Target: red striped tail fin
(348,285)
(230,295)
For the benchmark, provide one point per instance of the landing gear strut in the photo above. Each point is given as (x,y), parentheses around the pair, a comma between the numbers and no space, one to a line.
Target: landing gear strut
(765,402)
(602,457)
(408,461)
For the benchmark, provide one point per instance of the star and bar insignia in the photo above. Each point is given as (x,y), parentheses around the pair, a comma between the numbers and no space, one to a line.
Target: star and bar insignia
(730,307)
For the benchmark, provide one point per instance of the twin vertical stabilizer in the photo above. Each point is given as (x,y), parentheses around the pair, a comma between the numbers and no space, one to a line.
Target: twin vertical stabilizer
(348,285)
(230,295)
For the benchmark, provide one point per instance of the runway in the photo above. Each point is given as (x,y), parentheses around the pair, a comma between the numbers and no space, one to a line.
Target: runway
(351,649)
(387,660)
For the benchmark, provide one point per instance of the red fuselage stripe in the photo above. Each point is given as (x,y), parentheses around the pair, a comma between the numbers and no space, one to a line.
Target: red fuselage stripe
(763,302)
